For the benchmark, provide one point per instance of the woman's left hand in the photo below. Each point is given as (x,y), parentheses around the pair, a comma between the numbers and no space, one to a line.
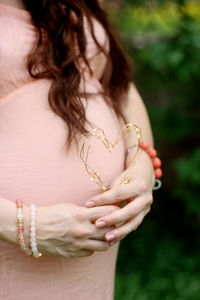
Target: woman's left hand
(138,193)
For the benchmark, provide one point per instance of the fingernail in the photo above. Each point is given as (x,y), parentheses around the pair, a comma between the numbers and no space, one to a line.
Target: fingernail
(90,203)
(110,236)
(100,224)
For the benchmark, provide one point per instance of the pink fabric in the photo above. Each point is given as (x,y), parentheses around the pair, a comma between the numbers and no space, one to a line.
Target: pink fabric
(35,167)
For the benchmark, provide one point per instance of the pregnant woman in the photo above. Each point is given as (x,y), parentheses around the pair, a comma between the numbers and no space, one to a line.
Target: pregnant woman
(63,74)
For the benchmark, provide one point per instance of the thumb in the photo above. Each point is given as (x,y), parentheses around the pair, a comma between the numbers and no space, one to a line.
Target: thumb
(117,181)
(123,178)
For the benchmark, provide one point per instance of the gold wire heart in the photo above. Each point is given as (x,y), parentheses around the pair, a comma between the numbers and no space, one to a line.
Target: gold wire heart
(100,135)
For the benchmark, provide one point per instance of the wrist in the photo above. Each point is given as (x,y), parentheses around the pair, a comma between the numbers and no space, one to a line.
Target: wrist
(26,213)
(143,167)
(8,222)
(40,227)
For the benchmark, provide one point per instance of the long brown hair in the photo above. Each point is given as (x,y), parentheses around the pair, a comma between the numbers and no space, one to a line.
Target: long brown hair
(53,19)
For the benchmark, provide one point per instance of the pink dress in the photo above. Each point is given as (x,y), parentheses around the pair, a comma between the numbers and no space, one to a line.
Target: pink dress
(35,168)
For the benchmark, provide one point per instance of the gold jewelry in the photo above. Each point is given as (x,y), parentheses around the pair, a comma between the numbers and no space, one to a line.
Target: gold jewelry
(99,134)
(125,182)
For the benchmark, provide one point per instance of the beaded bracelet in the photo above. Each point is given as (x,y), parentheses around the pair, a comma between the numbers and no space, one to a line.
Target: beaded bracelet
(33,232)
(152,153)
(20,227)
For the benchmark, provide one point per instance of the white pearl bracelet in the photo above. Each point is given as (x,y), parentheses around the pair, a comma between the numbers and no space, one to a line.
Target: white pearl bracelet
(33,231)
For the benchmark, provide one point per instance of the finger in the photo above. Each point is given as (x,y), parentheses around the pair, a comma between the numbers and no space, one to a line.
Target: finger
(93,245)
(124,214)
(120,232)
(99,234)
(118,193)
(98,212)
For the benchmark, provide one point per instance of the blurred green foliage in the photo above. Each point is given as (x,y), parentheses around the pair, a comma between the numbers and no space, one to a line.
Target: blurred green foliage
(161,260)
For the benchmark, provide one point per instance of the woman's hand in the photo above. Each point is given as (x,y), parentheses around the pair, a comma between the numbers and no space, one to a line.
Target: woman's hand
(66,230)
(138,193)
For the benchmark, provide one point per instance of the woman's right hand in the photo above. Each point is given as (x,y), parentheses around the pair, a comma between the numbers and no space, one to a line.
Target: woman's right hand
(66,230)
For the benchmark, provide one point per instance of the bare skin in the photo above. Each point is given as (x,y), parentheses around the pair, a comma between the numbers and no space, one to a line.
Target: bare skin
(56,235)
(138,191)
(64,229)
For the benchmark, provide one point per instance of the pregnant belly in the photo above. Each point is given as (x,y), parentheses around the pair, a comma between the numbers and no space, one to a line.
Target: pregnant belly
(34,164)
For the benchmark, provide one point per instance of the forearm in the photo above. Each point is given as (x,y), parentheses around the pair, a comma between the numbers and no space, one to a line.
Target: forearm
(135,112)
(8,222)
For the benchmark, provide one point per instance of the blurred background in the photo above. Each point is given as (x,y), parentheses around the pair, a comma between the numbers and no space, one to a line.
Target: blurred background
(161,259)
